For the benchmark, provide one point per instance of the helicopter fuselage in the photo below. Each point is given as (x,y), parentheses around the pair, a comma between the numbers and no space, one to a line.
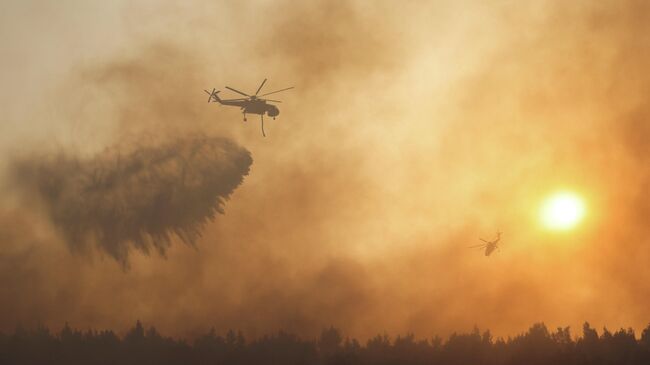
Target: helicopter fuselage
(490,247)
(255,107)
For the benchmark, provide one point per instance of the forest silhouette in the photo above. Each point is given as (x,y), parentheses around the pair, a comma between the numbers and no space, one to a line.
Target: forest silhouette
(140,345)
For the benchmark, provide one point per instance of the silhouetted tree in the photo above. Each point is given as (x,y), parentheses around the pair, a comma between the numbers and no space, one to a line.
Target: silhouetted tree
(587,347)
(464,349)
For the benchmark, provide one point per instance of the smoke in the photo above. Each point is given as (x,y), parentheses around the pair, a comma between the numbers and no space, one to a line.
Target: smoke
(136,200)
(412,131)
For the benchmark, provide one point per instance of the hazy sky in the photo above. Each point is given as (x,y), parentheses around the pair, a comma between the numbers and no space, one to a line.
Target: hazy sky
(413,129)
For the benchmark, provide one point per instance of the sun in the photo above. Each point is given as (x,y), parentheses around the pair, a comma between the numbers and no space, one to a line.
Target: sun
(562,211)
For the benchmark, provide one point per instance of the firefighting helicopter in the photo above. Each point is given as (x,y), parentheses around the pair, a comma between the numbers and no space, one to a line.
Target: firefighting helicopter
(489,246)
(251,104)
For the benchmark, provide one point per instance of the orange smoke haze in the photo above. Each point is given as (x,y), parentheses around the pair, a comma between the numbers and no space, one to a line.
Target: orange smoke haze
(413,131)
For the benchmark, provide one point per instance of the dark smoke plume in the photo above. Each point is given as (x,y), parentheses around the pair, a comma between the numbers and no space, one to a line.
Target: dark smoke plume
(141,199)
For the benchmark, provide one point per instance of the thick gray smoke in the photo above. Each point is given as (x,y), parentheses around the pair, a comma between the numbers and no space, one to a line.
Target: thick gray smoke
(141,199)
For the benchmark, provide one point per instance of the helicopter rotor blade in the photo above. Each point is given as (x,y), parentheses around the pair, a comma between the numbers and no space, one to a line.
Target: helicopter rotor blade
(240,99)
(237,91)
(477,246)
(271,100)
(277,91)
(260,88)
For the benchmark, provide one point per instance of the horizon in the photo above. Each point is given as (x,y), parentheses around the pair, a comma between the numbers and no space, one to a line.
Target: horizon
(574,335)
(141,345)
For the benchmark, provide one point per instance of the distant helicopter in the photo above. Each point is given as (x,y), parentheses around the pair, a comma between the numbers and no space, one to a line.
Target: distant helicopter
(252,104)
(489,246)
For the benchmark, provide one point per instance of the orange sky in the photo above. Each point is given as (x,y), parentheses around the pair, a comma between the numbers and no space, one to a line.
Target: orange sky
(413,130)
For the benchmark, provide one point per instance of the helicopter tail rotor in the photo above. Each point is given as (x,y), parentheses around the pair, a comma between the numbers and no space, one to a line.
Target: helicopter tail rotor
(212,95)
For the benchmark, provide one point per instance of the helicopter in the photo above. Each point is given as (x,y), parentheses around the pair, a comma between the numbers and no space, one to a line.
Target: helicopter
(251,104)
(489,246)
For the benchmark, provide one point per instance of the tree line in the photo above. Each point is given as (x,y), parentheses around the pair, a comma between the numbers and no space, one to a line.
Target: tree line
(141,346)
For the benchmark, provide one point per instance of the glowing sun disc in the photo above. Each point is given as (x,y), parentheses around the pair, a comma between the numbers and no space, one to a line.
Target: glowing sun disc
(562,211)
